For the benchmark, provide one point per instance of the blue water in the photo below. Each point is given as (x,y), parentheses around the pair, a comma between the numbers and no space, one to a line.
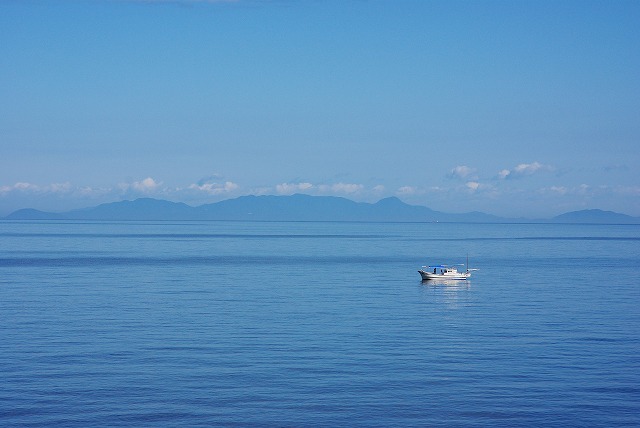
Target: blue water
(317,324)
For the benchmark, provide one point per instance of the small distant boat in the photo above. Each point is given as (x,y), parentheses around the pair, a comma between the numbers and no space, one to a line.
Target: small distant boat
(445,272)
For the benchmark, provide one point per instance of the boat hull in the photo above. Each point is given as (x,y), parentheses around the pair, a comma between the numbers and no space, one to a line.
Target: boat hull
(458,276)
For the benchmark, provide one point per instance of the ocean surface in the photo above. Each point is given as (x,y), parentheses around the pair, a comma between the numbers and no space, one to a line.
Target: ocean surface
(318,324)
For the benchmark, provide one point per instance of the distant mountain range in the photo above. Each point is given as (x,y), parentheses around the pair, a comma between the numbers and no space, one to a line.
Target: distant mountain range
(298,208)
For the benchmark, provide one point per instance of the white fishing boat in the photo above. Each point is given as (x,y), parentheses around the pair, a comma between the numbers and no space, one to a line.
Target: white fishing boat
(445,272)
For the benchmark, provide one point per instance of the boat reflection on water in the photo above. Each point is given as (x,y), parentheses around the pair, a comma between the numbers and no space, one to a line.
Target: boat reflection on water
(451,293)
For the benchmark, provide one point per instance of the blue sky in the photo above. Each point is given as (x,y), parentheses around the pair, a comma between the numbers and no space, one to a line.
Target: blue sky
(513,108)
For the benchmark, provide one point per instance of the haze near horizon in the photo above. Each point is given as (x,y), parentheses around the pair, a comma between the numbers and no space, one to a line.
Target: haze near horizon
(518,109)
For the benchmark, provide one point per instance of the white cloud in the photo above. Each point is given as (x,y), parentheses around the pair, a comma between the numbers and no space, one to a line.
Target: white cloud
(560,190)
(19,187)
(290,188)
(148,185)
(589,191)
(504,174)
(215,188)
(583,189)
(88,191)
(472,185)
(347,188)
(523,169)
(527,168)
(261,191)
(462,171)
(214,184)
(210,179)
(326,189)
(24,187)
(416,190)
(230,186)
(407,190)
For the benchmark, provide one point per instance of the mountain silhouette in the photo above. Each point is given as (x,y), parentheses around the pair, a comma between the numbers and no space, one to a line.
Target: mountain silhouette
(595,216)
(296,207)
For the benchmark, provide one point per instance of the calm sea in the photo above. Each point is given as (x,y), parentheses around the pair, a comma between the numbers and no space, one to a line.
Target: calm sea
(317,324)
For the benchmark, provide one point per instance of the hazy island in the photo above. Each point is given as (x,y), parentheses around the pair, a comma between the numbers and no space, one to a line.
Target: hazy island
(300,207)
